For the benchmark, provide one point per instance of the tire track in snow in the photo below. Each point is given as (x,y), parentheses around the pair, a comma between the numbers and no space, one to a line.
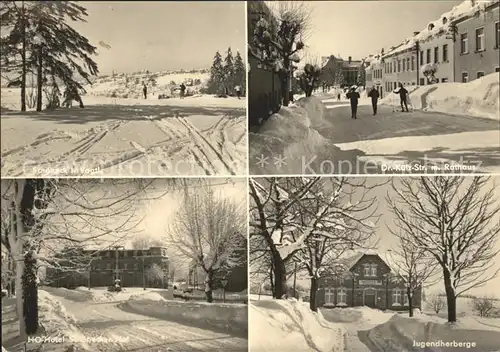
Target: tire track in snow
(199,137)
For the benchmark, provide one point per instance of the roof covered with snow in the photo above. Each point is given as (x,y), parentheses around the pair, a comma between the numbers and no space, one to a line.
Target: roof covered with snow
(349,259)
(441,25)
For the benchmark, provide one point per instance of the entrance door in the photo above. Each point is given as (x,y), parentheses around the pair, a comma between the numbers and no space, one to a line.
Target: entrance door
(369,298)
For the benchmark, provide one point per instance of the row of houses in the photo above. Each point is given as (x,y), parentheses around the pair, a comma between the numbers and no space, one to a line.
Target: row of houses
(460,46)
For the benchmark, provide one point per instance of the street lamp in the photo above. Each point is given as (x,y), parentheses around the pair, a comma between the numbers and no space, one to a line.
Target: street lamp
(224,283)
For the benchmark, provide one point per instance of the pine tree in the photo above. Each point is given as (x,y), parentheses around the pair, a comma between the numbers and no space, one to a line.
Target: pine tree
(215,82)
(52,48)
(228,71)
(239,71)
(361,80)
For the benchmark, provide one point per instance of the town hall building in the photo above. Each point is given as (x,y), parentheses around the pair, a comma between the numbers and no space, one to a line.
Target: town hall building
(365,280)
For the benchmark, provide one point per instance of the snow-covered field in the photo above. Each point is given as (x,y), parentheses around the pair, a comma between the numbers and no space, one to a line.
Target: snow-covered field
(199,135)
(478,98)
(289,325)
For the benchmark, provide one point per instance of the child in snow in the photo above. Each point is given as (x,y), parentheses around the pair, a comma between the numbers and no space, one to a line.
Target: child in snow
(353,96)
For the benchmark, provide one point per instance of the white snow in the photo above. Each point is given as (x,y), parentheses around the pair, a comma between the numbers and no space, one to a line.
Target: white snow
(439,27)
(289,325)
(478,98)
(195,135)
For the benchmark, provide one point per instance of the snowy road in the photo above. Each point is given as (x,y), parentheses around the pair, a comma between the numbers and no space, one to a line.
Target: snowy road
(420,138)
(123,331)
(121,140)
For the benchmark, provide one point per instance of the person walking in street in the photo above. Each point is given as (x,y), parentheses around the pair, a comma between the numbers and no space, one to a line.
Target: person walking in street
(183,90)
(145,90)
(238,91)
(374,94)
(338,96)
(403,96)
(353,96)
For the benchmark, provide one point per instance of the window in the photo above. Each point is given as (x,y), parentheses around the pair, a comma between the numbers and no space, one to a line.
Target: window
(329,296)
(404,65)
(396,296)
(444,80)
(421,58)
(480,74)
(399,66)
(497,69)
(412,83)
(395,85)
(367,270)
(480,39)
(436,54)
(373,270)
(342,296)
(465,77)
(428,56)
(413,63)
(422,82)
(407,64)
(497,35)
(108,266)
(136,266)
(125,266)
(464,43)
(405,300)
(445,53)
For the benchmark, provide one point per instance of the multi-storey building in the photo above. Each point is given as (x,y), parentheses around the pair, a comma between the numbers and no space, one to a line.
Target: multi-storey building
(374,72)
(75,267)
(400,66)
(477,42)
(364,279)
(337,71)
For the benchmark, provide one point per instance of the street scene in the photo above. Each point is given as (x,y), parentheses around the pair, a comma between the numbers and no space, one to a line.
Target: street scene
(133,96)
(409,96)
(362,264)
(122,268)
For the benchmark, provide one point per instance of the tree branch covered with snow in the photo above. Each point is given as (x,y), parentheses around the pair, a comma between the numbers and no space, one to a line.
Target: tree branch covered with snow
(454,220)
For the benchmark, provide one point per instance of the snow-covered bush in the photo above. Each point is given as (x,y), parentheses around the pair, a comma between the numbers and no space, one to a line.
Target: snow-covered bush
(429,71)
(309,79)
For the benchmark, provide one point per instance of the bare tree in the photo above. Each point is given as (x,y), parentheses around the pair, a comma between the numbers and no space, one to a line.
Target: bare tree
(48,215)
(484,306)
(336,223)
(278,45)
(210,231)
(436,302)
(415,266)
(270,209)
(454,219)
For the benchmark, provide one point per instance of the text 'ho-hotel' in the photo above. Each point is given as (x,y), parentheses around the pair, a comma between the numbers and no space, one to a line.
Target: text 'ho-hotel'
(462,45)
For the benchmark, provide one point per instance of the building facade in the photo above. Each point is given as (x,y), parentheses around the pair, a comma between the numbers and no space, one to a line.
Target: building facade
(400,66)
(477,43)
(134,268)
(374,73)
(365,280)
(264,84)
(438,51)
(339,72)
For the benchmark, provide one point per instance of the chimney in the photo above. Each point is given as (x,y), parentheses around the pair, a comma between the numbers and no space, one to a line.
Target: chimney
(350,59)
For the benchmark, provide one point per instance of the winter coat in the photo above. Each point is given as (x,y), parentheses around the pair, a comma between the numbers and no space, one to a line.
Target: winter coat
(402,92)
(353,97)
(374,94)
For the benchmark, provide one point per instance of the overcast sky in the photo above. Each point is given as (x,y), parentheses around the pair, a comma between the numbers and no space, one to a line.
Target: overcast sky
(360,28)
(162,35)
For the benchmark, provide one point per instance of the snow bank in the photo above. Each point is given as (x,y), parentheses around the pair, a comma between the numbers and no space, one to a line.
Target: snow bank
(291,133)
(57,322)
(100,295)
(289,325)
(479,98)
(229,318)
